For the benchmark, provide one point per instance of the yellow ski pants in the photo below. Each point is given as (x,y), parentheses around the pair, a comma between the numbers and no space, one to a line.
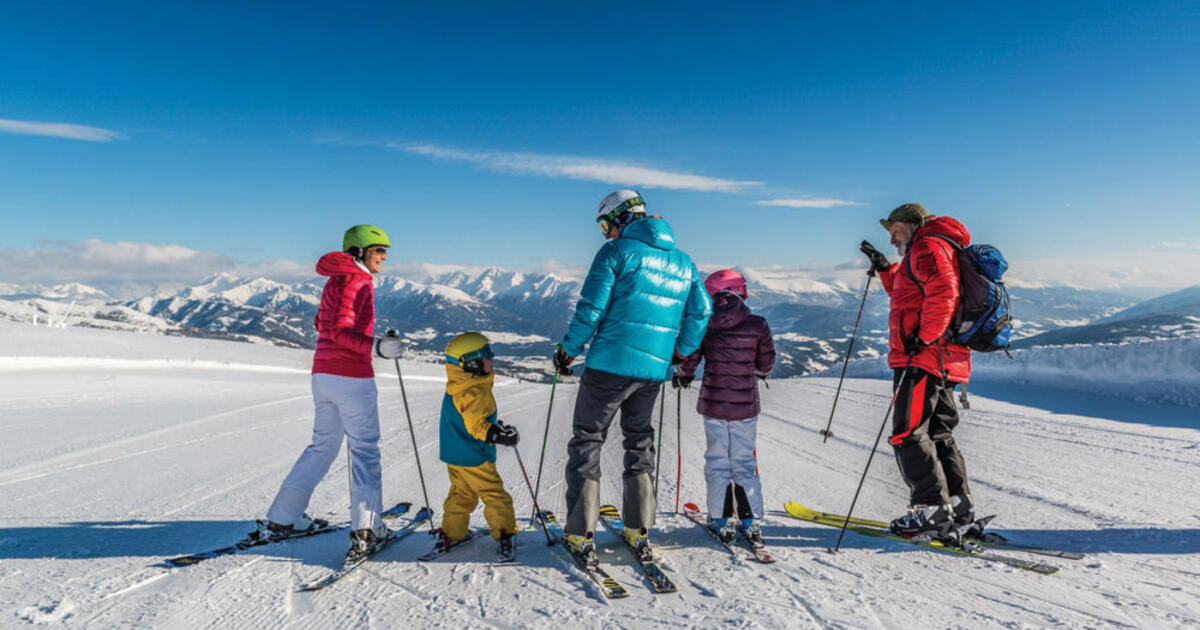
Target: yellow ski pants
(469,485)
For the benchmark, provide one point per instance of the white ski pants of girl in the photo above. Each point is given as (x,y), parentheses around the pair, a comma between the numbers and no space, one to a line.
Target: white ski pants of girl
(730,457)
(344,406)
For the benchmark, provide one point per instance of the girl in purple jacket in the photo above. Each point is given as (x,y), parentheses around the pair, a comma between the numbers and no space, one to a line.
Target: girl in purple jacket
(737,350)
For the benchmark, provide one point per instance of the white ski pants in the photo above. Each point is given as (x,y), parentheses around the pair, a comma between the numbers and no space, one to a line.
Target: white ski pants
(344,406)
(730,457)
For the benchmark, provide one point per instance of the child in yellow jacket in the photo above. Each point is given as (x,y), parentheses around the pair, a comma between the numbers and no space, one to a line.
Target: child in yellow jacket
(469,432)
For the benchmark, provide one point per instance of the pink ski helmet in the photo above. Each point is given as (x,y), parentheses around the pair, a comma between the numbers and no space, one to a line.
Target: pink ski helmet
(725,280)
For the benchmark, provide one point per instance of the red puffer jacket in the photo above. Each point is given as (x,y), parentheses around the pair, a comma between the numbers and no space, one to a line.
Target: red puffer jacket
(935,266)
(346,319)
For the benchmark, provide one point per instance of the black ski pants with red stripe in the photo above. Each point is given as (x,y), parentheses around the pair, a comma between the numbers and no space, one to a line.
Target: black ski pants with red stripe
(923,437)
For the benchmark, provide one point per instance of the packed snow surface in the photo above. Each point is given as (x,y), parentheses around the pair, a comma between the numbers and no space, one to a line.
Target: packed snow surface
(122,449)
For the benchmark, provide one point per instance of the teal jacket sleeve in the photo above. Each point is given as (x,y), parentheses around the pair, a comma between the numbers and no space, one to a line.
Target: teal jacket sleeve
(696,312)
(594,300)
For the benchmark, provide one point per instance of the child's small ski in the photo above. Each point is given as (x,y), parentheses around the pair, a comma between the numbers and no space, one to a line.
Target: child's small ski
(439,551)
(692,511)
(758,549)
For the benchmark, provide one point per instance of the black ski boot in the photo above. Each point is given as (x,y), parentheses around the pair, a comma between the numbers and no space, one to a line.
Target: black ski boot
(751,530)
(964,516)
(507,551)
(924,520)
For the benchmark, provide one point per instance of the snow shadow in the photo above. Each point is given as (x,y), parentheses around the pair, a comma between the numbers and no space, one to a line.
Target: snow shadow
(158,540)
(1135,540)
(154,540)
(1078,404)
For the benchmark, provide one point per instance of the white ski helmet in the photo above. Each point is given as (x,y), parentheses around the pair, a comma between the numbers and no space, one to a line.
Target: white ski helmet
(618,202)
(620,209)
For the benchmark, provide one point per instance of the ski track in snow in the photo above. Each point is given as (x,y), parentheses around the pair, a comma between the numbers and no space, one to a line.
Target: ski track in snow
(109,471)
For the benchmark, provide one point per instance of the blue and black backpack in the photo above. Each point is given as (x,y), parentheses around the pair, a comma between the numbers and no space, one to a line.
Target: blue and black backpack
(983,321)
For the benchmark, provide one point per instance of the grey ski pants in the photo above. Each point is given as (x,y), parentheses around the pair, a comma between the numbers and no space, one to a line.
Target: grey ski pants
(601,395)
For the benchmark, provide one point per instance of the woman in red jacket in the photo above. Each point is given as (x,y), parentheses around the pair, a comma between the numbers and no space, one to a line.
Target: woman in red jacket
(344,396)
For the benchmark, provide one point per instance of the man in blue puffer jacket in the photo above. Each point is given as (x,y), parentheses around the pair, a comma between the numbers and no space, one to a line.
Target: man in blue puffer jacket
(645,305)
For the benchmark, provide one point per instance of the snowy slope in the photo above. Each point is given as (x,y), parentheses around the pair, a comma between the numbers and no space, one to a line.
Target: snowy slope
(122,449)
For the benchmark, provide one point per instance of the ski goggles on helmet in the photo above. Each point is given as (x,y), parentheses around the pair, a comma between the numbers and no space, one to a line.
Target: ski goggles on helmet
(476,355)
(613,218)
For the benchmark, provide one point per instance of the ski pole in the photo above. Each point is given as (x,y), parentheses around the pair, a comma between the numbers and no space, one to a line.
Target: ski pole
(846,362)
(536,510)
(678,444)
(662,411)
(542,458)
(413,435)
(874,447)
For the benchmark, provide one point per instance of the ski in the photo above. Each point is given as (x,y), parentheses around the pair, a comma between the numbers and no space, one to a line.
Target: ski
(608,586)
(692,511)
(438,551)
(251,540)
(348,567)
(969,548)
(760,552)
(659,582)
(991,540)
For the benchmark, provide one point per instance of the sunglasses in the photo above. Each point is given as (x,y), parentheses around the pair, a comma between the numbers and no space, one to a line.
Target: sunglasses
(378,249)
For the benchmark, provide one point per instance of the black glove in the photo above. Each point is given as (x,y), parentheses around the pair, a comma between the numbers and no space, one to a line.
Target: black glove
(562,362)
(504,434)
(879,262)
(681,382)
(677,358)
(913,343)
(763,378)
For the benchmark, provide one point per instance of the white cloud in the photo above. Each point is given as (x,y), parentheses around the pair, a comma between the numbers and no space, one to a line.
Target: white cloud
(808,202)
(1191,244)
(59,130)
(1125,270)
(584,168)
(127,269)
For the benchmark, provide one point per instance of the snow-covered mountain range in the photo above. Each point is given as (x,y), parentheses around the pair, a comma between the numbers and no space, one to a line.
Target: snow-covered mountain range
(525,312)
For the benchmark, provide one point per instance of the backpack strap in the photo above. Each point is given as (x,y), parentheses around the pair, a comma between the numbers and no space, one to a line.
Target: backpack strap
(908,258)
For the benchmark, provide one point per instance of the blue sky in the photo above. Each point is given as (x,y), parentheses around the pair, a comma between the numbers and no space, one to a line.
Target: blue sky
(487,134)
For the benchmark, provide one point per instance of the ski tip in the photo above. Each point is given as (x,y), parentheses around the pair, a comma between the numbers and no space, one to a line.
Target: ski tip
(691,507)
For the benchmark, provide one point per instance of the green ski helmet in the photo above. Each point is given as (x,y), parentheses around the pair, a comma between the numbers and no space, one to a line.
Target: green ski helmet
(358,238)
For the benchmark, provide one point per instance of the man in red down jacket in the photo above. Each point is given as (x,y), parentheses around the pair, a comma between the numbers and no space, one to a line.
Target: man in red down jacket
(737,350)
(924,291)
(344,398)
